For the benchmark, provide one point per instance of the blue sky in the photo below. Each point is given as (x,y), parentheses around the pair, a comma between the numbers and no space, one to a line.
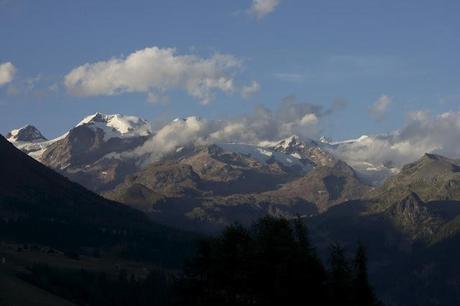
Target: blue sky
(319,52)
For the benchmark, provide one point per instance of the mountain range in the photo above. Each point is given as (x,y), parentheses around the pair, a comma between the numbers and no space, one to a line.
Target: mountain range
(203,186)
(410,222)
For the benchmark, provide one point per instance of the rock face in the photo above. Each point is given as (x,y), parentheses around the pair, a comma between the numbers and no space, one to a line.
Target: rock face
(432,177)
(40,206)
(326,186)
(310,150)
(29,140)
(411,227)
(89,153)
(28,189)
(212,186)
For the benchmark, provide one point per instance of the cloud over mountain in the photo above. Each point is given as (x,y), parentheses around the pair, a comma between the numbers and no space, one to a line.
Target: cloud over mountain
(155,71)
(422,133)
(263,124)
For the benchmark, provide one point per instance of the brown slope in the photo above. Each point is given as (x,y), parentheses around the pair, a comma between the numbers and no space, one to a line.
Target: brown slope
(40,205)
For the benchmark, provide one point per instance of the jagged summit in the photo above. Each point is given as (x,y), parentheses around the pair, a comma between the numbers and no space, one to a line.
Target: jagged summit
(292,143)
(117,125)
(304,150)
(28,133)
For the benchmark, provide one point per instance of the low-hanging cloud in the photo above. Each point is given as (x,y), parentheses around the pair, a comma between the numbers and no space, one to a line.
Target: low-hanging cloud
(261,8)
(422,133)
(261,125)
(155,71)
(7,72)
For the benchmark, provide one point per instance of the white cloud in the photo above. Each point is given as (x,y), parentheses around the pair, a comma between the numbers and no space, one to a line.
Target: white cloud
(260,125)
(422,133)
(155,71)
(249,90)
(309,119)
(261,8)
(7,72)
(380,106)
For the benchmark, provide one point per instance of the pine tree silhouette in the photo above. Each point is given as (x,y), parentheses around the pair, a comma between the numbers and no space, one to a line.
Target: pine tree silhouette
(272,263)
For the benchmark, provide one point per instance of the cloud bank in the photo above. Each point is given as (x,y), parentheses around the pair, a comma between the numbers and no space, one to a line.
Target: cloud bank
(7,72)
(155,71)
(377,155)
(261,125)
(261,8)
(422,133)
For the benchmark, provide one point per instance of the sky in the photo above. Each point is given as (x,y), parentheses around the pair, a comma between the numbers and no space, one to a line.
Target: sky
(362,67)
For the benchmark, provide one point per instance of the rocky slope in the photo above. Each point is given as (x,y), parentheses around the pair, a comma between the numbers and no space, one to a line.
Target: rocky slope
(212,186)
(87,153)
(38,205)
(411,228)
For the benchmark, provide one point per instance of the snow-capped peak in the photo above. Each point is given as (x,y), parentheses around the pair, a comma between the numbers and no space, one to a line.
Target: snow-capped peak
(117,125)
(264,155)
(308,150)
(292,141)
(28,133)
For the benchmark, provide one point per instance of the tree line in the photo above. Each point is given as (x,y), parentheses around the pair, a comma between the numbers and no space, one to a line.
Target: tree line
(269,263)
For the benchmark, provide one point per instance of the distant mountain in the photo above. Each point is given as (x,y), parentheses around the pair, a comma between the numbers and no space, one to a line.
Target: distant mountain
(215,185)
(371,172)
(29,133)
(96,152)
(85,153)
(304,150)
(411,226)
(39,205)
(432,177)
(29,140)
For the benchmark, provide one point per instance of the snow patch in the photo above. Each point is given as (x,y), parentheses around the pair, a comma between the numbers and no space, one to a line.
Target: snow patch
(264,155)
(117,126)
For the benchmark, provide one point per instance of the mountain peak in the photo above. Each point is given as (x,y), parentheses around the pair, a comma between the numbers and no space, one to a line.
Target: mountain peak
(431,164)
(117,125)
(431,156)
(290,142)
(28,133)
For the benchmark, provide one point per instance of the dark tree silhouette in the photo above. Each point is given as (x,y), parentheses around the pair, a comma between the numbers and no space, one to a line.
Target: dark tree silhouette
(363,293)
(340,278)
(272,263)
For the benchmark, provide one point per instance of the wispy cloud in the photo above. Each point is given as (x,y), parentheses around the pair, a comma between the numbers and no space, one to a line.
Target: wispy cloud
(379,108)
(249,90)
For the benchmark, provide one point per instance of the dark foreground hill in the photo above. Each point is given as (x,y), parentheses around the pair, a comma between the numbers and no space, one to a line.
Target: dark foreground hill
(37,205)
